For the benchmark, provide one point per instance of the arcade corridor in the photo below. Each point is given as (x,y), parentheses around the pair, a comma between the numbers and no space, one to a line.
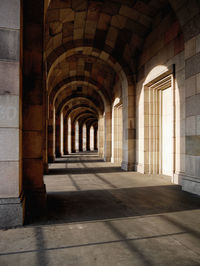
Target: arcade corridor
(99,132)
(98,214)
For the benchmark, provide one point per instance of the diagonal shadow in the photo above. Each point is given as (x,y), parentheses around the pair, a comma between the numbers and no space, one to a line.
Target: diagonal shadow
(83,171)
(79,206)
(79,161)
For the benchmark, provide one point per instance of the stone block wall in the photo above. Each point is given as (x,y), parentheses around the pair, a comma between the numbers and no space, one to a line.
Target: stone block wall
(163,50)
(191,179)
(11,196)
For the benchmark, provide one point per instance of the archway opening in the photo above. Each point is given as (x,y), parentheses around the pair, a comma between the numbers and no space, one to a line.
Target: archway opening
(69,135)
(77,136)
(84,137)
(92,138)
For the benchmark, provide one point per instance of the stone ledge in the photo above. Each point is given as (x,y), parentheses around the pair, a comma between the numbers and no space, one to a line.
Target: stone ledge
(191,184)
(11,212)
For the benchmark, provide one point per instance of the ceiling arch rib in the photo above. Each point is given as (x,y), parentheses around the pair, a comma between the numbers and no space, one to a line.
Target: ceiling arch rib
(54,59)
(80,103)
(78,85)
(79,107)
(86,115)
(88,121)
(88,69)
(67,98)
(78,111)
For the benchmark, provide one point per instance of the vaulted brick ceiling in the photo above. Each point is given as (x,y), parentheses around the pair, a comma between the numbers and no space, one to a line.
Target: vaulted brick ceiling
(92,41)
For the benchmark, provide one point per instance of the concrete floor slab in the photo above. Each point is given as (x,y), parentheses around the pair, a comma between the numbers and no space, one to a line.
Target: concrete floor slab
(100,215)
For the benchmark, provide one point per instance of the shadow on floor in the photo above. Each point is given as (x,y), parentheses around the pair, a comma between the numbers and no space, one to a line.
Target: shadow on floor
(79,206)
(83,171)
(65,160)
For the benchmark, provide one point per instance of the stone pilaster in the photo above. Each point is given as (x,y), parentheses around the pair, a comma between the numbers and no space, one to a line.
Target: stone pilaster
(33,106)
(95,138)
(191,178)
(108,135)
(66,136)
(80,137)
(58,135)
(73,137)
(88,138)
(11,191)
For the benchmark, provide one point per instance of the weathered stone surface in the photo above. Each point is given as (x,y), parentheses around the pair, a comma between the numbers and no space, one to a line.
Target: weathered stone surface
(191,28)
(10,14)
(193,145)
(32,144)
(55,28)
(9,45)
(192,105)
(33,118)
(9,111)
(9,143)
(9,179)
(192,66)
(11,212)
(9,77)
(33,173)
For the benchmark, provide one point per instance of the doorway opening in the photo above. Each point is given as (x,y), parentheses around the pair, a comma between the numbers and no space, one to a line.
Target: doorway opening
(159,121)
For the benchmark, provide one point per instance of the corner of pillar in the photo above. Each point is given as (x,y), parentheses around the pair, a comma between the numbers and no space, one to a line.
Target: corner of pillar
(12,211)
(127,166)
(35,203)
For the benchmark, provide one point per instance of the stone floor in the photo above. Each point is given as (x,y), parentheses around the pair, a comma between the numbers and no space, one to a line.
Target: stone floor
(99,215)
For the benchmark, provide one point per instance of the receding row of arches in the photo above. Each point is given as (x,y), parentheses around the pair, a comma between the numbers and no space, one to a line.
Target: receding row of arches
(120,77)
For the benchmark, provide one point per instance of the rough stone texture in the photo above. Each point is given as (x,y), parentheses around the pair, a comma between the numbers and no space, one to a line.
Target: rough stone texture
(9,142)
(192,105)
(9,14)
(192,65)
(191,185)
(193,145)
(9,179)
(11,213)
(9,110)
(10,81)
(11,210)
(9,45)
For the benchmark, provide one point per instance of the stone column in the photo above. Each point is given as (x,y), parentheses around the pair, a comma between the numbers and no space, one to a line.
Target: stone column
(33,106)
(95,138)
(51,137)
(73,137)
(66,136)
(129,128)
(11,192)
(87,138)
(108,136)
(80,137)
(58,135)
(45,140)
(101,137)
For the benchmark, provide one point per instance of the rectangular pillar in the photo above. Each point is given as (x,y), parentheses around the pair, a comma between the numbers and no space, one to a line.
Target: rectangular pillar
(66,151)
(58,135)
(11,192)
(33,106)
